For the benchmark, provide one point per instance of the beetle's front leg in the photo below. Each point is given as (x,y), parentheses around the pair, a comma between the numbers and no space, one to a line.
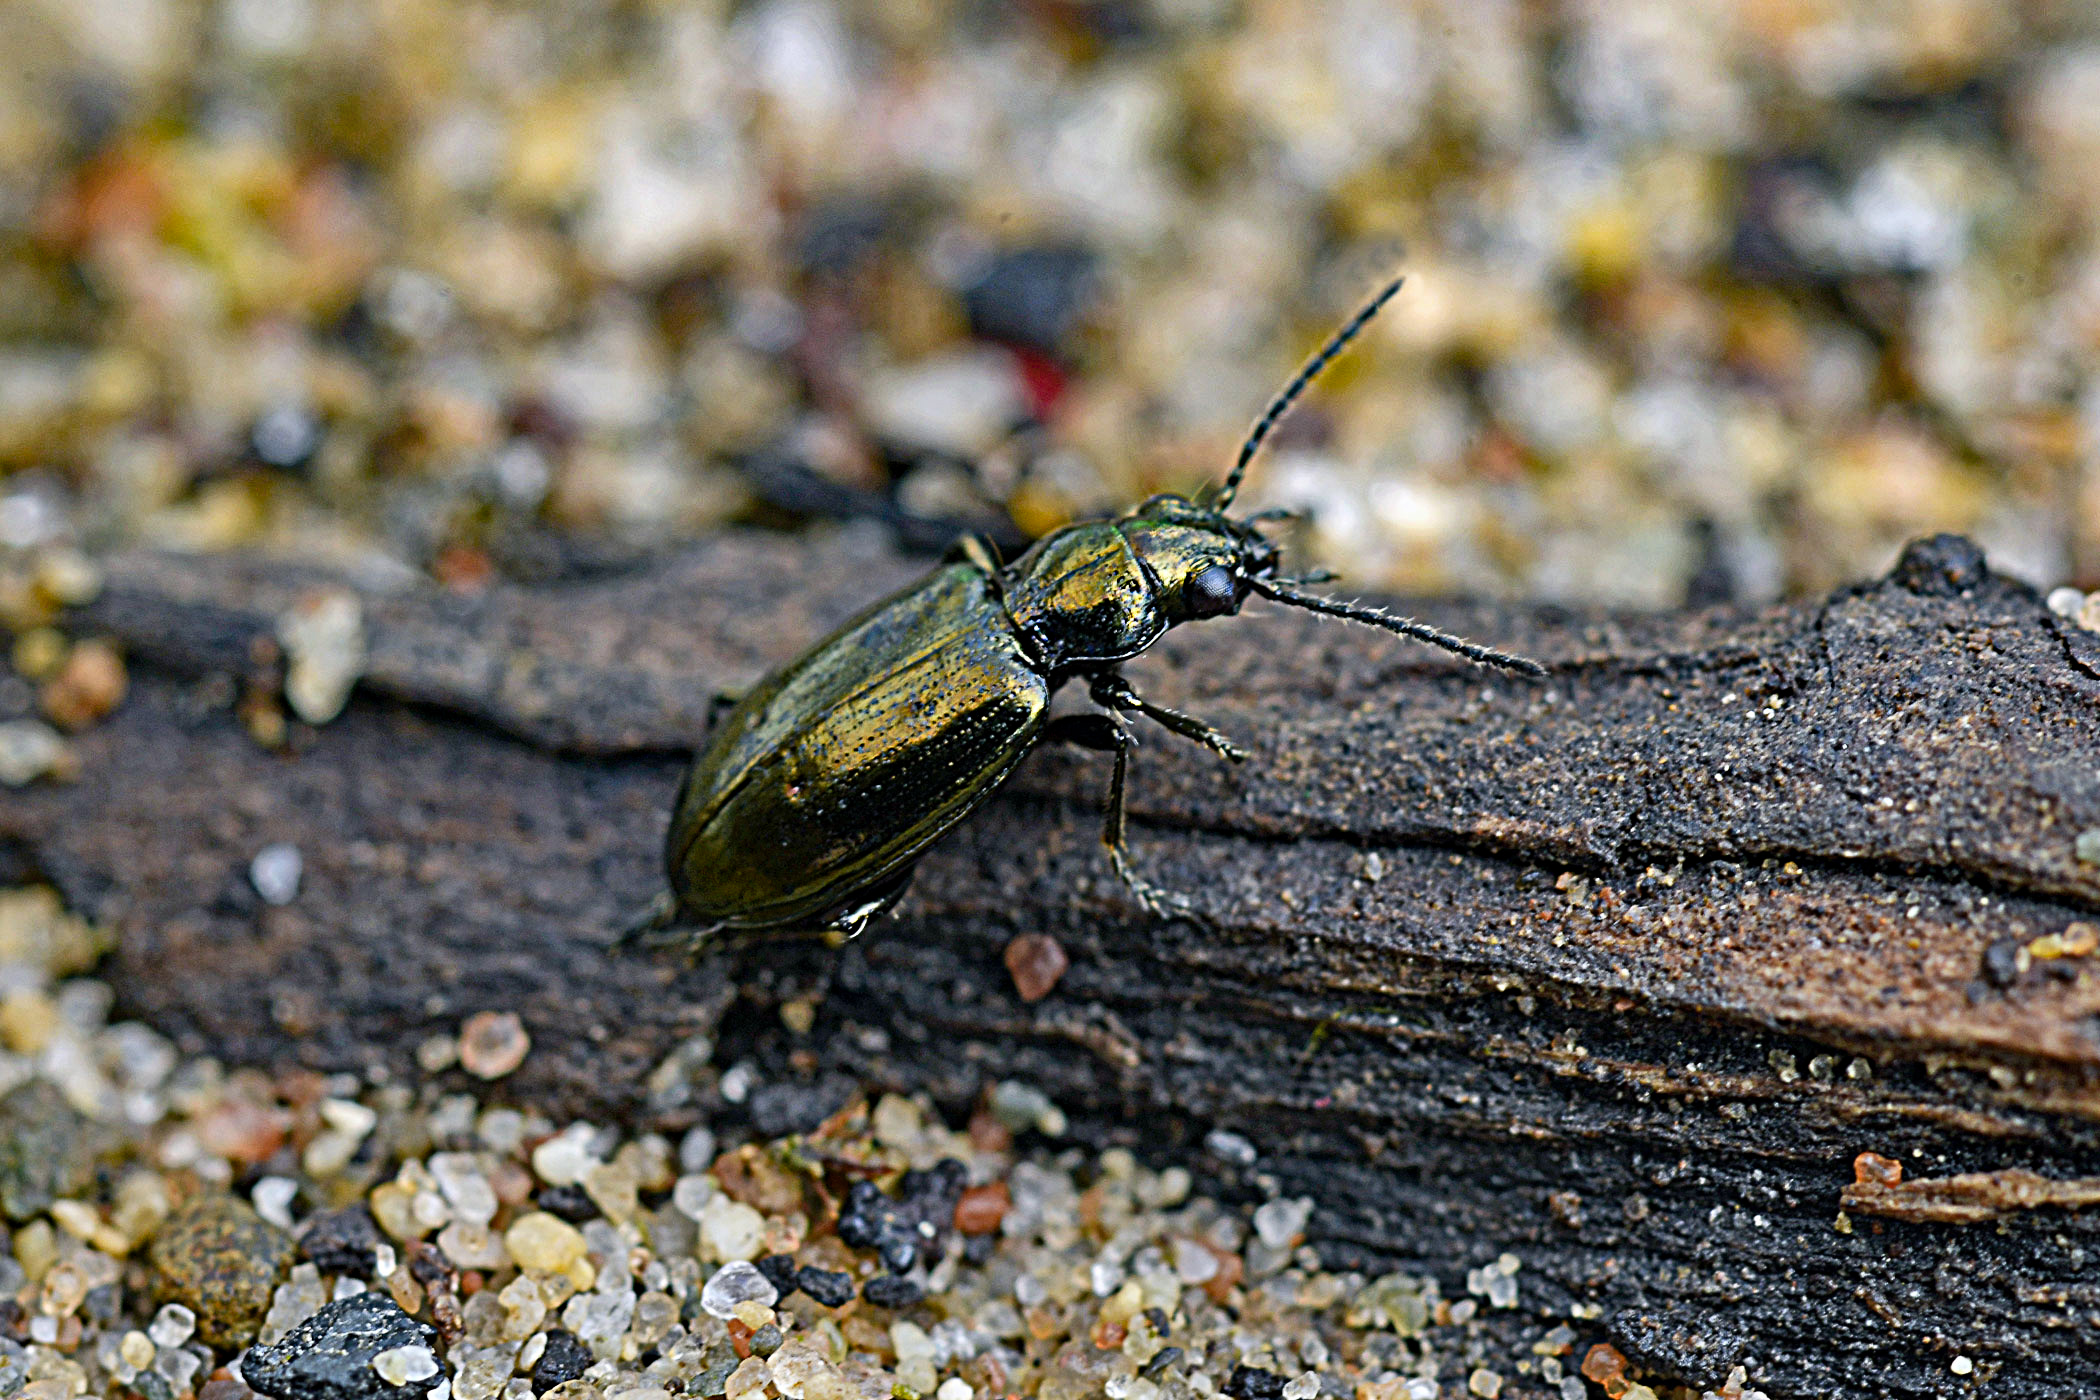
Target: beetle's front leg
(1110,691)
(1106,734)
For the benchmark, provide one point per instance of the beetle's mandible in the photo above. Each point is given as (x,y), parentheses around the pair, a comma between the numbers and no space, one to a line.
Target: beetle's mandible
(816,795)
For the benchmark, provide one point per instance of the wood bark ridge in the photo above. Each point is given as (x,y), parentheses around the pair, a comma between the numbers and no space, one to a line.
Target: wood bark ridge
(1617,971)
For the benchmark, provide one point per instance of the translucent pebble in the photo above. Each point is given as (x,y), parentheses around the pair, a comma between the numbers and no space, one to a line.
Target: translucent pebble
(472,1245)
(273,1200)
(1484,1383)
(910,1341)
(544,1242)
(954,1388)
(734,1283)
(611,1186)
(1022,1106)
(1303,1386)
(599,1318)
(501,1129)
(465,1187)
(275,872)
(952,1343)
(65,1287)
(563,1159)
(691,1194)
(1281,1221)
(748,1379)
(1228,1146)
(917,1373)
(294,1301)
(1105,1276)
(1193,1263)
(2065,602)
(654,1314)
(400,1365)
(137,1350)
(179,1365)
(349,1117)
(696,1150)
(172,1325)
(482,1378)
(799,1368)
(731,1230)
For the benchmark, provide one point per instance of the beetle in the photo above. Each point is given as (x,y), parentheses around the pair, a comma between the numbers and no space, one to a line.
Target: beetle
(816,795)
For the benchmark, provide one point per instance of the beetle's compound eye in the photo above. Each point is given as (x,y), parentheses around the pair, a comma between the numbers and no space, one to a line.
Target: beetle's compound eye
(1210,593)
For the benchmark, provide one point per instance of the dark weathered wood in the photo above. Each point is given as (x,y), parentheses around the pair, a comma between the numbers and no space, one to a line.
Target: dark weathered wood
(1618,971)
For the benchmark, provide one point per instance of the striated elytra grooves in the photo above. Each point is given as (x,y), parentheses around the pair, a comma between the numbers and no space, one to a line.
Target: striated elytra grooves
(1618,971)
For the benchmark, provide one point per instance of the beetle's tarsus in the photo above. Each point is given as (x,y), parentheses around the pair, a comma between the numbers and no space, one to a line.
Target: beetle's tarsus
(1159,903)
(1106,733)
(874,903)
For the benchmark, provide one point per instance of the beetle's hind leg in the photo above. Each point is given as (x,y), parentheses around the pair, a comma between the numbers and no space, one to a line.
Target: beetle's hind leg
(1110,691)
(662,925)
(1106,734)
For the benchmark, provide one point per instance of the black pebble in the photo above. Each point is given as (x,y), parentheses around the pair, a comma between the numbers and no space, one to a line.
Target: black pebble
(1035,297)
(572,1203)
(1161,1359)
(341,1242)
(780,1271)
(1251,1383)
(565,1358)
(2001,962)
(892,1291)
(329,1356)
(913,1224)
(833,1290)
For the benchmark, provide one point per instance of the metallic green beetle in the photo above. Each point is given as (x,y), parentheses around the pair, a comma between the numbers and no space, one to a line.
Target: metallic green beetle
(819,791)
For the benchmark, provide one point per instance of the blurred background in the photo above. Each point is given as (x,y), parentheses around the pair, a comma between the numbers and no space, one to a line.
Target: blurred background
(1704,300)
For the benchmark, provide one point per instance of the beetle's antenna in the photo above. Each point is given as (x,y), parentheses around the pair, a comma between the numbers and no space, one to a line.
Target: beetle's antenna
(1281,404)
(1406,626)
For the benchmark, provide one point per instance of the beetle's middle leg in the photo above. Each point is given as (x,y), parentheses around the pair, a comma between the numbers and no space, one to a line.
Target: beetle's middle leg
(1110,691)
(1106,734)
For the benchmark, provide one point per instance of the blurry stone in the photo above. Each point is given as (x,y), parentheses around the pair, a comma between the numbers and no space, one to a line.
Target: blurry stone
(89,684)
(47,1150)
(324,642)
(961,404)
(1034,297)
(492,1044)
(341,1242)
(221,1259)
(30,750)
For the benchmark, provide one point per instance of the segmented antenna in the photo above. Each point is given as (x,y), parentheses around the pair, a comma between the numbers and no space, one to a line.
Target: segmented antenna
(1405,626)
(1281,404)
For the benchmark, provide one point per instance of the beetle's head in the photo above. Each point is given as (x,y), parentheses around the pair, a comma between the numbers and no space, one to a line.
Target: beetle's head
(1202,561)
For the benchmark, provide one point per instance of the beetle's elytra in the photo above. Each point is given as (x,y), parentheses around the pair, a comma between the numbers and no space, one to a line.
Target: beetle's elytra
(818,792)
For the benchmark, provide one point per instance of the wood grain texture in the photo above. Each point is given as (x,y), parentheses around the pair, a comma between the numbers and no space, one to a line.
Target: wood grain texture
(1617,971)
